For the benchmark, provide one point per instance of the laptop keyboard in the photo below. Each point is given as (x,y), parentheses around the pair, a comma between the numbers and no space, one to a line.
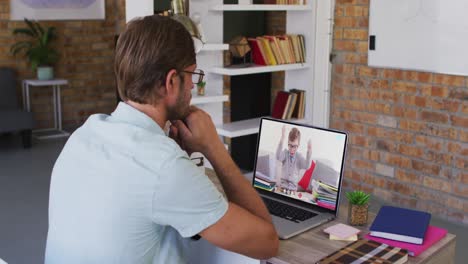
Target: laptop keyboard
(287,212)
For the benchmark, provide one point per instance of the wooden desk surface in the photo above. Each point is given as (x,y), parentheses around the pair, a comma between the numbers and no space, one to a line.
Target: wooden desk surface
(312,245)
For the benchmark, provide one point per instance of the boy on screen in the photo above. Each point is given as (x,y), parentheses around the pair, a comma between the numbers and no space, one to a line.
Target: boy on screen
(292,161)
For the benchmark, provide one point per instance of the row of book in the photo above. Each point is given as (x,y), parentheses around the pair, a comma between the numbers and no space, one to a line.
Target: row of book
(289,105)
(274,50)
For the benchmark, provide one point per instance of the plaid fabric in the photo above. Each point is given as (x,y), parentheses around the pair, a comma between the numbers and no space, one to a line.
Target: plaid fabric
(365,252)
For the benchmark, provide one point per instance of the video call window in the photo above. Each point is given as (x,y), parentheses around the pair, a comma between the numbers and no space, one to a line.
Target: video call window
(300,162)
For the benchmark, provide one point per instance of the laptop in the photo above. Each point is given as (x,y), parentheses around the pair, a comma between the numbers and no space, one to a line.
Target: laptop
(298,172)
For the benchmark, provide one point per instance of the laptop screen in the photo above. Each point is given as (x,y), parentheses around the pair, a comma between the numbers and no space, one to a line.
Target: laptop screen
(299,161)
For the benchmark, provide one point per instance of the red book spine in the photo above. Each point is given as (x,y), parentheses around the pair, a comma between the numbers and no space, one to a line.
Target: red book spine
(280,104)
(256,53)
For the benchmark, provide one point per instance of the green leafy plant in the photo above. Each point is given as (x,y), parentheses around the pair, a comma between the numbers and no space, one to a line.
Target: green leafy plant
(37,48)
(358,197)
(201,84)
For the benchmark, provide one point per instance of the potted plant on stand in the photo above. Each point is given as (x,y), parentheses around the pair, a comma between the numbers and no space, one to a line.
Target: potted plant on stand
(201,88)
(37,48)
(358,207)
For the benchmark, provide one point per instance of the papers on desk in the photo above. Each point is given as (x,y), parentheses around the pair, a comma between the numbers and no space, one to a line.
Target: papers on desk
(342,232)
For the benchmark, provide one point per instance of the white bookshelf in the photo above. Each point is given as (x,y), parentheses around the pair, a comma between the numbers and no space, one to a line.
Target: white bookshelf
(209,97)
(214,47)
(245,127)
(230,71)
(239,128)
(261,8)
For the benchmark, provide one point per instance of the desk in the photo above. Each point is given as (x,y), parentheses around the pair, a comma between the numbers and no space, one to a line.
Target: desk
(56,84)
(312,245)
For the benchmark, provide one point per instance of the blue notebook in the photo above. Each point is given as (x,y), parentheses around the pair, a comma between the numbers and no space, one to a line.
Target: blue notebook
(400,224)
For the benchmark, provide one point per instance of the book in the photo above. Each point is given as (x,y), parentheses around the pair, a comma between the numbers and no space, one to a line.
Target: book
(433,234)
(280,104)
(295,112)
(292,105)
(267,50)
(367,251)
(265,182)
(257,55)
(400,224)
(288,104)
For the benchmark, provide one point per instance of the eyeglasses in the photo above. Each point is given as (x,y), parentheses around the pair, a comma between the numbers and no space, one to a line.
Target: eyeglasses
(291,146)
(197,75)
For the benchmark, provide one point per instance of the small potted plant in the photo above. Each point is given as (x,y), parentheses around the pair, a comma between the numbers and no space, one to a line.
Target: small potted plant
(358,207)
(37,48)
(201,88)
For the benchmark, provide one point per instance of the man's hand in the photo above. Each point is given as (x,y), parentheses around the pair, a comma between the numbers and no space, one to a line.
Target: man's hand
(196,133)
(309,145)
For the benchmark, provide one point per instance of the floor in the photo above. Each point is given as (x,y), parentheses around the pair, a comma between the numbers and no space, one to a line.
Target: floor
(24,192)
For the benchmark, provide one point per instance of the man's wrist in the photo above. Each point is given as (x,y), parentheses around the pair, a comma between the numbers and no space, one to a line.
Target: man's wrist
(213,149)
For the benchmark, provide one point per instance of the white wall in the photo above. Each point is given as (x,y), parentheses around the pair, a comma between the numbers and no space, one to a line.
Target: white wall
(136,8)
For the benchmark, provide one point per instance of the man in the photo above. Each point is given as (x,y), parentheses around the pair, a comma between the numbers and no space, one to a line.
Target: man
(291,160)
(124,192)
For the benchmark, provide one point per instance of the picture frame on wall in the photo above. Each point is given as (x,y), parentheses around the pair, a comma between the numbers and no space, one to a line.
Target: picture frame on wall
(57,9)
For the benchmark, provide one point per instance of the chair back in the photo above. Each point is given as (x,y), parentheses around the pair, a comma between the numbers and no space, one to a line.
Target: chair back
(8,97)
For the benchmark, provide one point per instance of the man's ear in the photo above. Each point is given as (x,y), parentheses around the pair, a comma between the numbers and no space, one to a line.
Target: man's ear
(171,81)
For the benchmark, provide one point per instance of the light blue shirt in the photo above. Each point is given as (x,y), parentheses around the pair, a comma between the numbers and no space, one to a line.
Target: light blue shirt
(123,192)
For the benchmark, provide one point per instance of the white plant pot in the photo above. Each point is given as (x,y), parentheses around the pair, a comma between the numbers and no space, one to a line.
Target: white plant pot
(45,73)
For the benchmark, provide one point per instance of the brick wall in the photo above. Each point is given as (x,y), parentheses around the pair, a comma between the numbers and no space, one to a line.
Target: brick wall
(86,49)
(408,129)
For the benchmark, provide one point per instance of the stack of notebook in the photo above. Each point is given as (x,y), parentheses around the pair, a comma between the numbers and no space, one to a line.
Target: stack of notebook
(405,228)
(264,183)
(325,195)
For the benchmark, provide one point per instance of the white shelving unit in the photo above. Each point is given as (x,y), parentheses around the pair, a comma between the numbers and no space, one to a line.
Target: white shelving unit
(314,21)
(209,97)
(239,128)
(244,127)
(261,8)
(258,69)
(214,47)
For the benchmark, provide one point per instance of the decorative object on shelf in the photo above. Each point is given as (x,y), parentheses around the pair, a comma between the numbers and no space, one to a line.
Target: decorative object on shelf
(239,49)
(201,88)
(38,48)
(358,207)
(179,13)
(196,18)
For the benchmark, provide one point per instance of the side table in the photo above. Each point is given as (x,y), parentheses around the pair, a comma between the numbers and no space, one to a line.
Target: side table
(56,131)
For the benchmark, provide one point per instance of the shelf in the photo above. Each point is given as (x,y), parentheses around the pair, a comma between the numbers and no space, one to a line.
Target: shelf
(214,47)
(261,8)
(244,127)
(208,98)
(257,69)
(239,128)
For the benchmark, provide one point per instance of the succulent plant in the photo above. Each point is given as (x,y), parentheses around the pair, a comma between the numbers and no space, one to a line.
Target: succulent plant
(358,197)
